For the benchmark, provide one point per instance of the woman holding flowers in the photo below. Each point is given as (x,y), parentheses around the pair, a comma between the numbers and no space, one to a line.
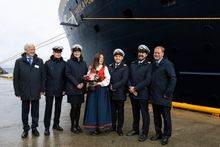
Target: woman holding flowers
(97,117)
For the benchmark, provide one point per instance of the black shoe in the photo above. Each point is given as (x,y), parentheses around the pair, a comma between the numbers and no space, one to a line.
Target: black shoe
(96,132)
(35,132)
(74,130)
(57,127)
(132,132)
(155,138)
(142,137)
(164,140)
(46,132)
(78,128)
(24,134)
(120,132)
(113,130)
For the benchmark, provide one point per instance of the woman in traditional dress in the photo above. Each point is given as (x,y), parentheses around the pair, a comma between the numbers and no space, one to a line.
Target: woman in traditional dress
(97,117)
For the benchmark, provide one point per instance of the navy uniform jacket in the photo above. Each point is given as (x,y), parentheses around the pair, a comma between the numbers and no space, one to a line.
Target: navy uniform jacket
(140,78)
(163,83)
(119,79)
(75,70)
(55,76)
(28,79)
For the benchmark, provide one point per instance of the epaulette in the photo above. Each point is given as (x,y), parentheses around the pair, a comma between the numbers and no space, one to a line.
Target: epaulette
(125,65)
(133,62)
(149,62)
(110,65)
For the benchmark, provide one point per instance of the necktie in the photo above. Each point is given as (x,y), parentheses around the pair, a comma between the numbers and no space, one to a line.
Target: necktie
(29,60)
(157,63)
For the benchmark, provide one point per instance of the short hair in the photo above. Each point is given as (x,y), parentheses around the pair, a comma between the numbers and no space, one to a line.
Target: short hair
(28,45)
(161,47)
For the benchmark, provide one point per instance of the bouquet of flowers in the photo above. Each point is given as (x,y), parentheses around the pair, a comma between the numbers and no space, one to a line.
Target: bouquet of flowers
(92,78)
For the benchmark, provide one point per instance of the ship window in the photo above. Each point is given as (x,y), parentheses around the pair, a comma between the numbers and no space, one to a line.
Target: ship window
(97,28)
(77,1)
(167,3)
(128,13)
(208,27)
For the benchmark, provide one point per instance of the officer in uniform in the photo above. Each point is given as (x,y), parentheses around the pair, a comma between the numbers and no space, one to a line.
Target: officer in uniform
(139,81)
(162,87)
(55,83)
(75,88)
(118,85)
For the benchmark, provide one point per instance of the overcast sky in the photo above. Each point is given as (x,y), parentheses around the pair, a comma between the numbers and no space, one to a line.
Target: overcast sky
(23,21)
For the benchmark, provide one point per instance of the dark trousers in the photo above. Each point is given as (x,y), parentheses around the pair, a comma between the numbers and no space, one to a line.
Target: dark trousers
(140,105)
(48,110)
(117,107)
(34,113)
(159,110)
(75,115)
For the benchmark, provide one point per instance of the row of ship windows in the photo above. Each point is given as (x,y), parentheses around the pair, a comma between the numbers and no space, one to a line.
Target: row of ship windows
(128,12)
(167,3)
(164,3)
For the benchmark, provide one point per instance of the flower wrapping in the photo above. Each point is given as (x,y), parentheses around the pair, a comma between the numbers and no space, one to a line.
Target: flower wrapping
(92,77)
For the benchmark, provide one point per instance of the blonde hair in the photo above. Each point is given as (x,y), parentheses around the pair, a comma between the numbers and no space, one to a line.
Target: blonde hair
(161,47)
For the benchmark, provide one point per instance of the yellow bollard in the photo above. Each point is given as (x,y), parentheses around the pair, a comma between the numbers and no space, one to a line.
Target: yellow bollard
(211,110)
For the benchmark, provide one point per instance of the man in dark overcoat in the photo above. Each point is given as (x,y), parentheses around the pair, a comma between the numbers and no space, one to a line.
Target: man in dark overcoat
(29,86)
(162,87)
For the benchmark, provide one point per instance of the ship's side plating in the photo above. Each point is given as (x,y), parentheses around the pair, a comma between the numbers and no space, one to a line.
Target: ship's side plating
(193,46)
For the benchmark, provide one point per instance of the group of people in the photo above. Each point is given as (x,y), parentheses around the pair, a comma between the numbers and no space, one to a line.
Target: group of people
(105,88)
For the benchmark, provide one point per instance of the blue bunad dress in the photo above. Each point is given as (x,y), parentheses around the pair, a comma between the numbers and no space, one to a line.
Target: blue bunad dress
(97,116)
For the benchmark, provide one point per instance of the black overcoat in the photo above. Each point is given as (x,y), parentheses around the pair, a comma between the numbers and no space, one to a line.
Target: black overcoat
(28,79)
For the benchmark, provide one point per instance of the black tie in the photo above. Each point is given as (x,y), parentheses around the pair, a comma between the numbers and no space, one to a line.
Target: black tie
(157,63)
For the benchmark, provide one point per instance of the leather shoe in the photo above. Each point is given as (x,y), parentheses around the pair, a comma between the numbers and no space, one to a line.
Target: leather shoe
(79,129)
(155,138)
(132,132)
(113,130)
(164,140)
(35,132)
(142,137)
(96,132)
(74,130)
(120,132)
(24,134)
(57,127)
(46,132)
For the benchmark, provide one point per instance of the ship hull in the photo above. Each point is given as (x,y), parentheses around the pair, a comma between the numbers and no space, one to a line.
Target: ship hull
(193,46)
